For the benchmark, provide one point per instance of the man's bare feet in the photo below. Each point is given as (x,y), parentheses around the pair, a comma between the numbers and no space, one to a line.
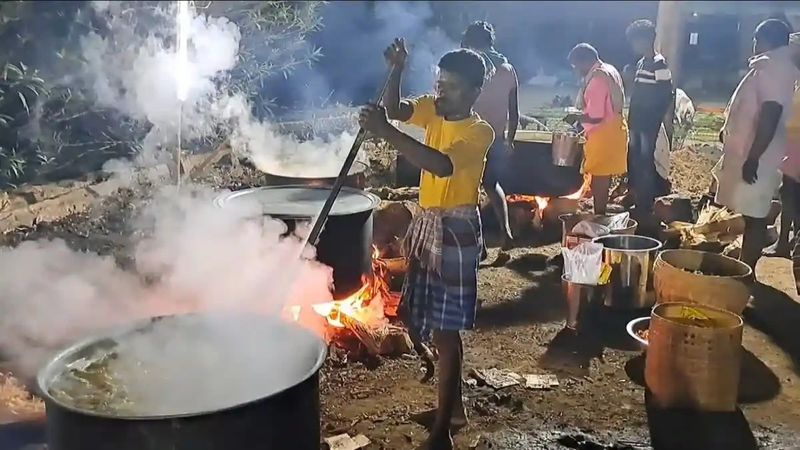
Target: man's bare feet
(437,442)
(503,257)
(427,417)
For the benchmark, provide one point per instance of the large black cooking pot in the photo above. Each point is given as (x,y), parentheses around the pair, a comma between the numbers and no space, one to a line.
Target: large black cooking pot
(346,241)
(529,171)
(356,178)
(282,412)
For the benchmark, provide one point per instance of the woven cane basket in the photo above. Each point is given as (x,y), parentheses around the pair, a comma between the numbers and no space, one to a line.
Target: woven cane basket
(690,366)
(720,285)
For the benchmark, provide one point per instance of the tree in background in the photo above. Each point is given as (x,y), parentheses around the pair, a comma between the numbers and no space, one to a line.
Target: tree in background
(50,125)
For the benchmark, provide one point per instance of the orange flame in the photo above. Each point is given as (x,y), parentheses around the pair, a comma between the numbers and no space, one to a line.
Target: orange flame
(367,305)
(542,202)
(585,188)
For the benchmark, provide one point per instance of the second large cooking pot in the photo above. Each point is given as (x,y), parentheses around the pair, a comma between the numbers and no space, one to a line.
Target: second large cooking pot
(528,170)
(356,177)
(346,241)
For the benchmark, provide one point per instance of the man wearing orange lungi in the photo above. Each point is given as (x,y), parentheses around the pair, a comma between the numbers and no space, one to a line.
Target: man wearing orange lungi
(601,101)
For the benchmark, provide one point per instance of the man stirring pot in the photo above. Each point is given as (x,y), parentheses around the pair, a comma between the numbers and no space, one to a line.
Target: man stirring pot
(444,242)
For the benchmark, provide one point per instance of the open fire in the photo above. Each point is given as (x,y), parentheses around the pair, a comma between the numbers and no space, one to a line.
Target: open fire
(538,205)
(364,315)
(542,202)
(370,305)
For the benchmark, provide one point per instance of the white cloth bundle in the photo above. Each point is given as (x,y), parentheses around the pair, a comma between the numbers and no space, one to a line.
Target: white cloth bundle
(584,263)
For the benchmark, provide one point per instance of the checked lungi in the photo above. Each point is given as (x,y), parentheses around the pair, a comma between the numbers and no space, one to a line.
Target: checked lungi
(440,291)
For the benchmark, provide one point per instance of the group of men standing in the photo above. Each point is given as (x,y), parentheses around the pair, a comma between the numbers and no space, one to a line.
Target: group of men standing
(470,124)
(614,142)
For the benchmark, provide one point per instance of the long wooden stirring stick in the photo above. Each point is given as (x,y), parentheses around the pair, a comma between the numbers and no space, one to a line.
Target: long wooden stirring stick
(322,216)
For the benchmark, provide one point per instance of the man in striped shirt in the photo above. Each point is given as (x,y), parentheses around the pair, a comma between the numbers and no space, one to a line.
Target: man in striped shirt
(650,101)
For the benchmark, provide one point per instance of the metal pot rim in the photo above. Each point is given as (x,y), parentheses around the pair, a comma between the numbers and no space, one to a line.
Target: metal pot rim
(44,376)
(565,279)
(630,328)
(374,200)
(620,236)
(358,168)
(656,310)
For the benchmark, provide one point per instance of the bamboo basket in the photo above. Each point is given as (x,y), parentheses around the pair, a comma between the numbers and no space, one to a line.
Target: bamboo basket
(694,367)
(674,279)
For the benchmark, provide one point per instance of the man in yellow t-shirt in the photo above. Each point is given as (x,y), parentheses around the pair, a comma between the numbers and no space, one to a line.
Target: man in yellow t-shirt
(443,244)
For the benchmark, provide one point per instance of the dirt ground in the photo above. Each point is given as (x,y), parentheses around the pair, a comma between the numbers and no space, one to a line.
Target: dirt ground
(600,402)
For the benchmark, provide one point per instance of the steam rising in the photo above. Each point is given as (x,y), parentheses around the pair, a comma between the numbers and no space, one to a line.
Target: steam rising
(194,256)
(202,258)
(135,74)
(234,362)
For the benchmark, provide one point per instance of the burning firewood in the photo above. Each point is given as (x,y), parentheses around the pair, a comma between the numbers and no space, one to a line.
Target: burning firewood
(370,337)
(396,342)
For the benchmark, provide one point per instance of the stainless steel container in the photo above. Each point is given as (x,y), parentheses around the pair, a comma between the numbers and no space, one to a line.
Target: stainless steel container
(568,222)
(631,259)
(580,299)
(566,147)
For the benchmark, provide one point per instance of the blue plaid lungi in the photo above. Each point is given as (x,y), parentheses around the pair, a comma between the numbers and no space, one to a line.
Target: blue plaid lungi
(444,295)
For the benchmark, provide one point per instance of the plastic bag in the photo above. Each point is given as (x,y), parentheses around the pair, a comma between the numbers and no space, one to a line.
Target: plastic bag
(584,263)
(618,221)
(590,229)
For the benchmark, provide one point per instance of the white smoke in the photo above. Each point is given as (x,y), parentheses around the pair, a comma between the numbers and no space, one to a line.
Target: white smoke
(281,154)
(427,43)
(201,257)
(136,75)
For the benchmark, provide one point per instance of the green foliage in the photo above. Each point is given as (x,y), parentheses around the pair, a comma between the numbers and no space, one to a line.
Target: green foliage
(20,89)
(50,127)
(273,41)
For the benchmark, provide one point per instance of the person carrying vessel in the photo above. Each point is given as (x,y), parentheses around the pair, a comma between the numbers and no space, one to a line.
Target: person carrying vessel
(601,101)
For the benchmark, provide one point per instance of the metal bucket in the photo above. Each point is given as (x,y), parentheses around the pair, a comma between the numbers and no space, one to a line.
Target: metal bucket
(631,259)
(568,222)
(580,299)
(566,148)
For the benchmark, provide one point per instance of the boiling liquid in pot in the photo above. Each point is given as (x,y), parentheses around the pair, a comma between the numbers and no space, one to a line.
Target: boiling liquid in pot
(94,388)
(190,365)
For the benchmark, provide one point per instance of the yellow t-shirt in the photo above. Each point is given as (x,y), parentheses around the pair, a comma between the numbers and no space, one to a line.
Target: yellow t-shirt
(465,141)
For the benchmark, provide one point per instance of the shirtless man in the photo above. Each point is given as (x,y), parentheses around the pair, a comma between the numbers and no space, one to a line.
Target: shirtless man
(498,105)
